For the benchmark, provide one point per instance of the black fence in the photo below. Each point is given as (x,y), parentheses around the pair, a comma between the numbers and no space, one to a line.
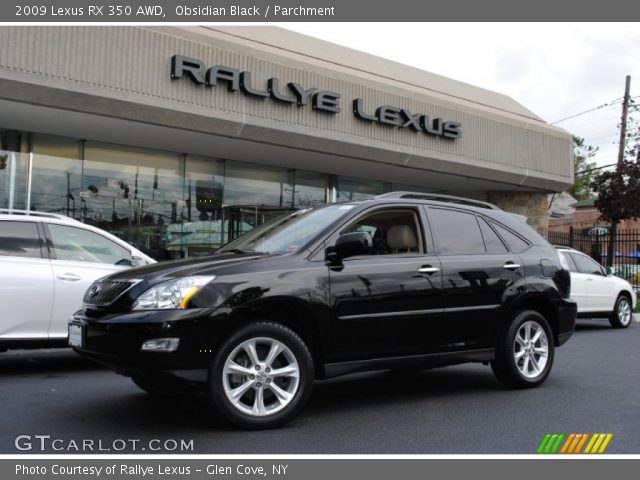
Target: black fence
(595,243)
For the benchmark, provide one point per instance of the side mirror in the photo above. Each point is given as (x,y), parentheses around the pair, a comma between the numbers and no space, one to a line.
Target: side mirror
(609,270)
(137,261)
(350,245)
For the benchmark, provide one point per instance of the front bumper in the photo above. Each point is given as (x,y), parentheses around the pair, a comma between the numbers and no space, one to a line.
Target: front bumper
(567,311)
(115,340)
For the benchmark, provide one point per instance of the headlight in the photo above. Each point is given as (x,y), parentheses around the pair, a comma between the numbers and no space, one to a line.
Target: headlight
(172,294)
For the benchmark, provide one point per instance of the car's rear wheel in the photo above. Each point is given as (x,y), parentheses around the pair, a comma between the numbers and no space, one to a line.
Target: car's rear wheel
(525,351)
(262,376)
(622,313)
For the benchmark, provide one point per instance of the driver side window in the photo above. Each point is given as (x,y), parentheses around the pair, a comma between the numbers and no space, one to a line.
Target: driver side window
(79,245)
(393,232)
(587,265)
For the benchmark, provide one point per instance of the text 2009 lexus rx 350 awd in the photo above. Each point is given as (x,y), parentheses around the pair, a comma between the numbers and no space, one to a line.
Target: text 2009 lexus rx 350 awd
(403,280)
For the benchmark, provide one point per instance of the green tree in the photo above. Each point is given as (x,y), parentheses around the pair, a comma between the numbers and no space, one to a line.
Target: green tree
(583,169)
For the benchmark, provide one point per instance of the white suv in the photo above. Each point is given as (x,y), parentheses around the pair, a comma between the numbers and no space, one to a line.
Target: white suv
(596,291)
(47,262)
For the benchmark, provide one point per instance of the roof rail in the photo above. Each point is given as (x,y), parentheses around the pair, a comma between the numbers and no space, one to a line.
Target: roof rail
(28,213)
(440,198)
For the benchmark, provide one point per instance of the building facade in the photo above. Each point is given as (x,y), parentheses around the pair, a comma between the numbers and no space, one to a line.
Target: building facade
(178,139)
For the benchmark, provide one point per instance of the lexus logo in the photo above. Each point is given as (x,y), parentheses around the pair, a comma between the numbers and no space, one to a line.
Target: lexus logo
(94,290)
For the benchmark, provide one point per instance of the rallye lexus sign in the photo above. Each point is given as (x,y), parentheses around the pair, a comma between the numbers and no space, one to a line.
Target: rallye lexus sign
(320,100)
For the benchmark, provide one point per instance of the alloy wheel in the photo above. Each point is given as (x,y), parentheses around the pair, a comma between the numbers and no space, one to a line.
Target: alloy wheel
(531,349)
(261,376)
(624,311)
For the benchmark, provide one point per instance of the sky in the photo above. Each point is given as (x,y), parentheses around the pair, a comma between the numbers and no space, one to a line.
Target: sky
(555,70)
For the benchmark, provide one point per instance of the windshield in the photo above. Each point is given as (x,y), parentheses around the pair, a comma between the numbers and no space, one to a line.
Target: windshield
(288,233)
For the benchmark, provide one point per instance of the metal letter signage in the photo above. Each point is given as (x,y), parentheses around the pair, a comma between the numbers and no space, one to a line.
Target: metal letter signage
(294,93)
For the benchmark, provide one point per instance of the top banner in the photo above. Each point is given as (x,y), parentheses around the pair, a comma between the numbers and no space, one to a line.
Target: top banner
(202,11)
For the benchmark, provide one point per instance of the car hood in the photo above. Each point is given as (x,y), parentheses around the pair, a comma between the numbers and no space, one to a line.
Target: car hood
(209,265)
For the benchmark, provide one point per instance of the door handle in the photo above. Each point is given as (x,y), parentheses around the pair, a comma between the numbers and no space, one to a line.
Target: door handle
(511,266)
(428,269)
(69,277)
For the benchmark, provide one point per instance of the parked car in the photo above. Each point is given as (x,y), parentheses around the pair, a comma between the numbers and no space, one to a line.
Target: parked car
(403,280)
(47,262)
(598,293)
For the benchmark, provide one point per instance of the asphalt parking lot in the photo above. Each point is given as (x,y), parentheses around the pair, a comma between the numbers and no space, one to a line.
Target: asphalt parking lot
(594,387)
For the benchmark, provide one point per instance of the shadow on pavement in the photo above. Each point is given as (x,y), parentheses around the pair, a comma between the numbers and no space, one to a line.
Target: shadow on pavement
(47,360)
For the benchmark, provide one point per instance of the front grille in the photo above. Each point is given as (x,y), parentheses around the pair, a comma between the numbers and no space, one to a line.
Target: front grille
(103,293)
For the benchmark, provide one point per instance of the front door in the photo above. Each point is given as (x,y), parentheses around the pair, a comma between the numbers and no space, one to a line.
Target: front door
(387,303)
(79,258)
(600,291)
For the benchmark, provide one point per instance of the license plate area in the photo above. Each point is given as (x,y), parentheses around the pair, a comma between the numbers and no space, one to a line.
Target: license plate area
(76,336)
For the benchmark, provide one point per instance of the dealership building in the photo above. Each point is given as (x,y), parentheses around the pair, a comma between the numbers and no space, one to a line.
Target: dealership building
(178,139)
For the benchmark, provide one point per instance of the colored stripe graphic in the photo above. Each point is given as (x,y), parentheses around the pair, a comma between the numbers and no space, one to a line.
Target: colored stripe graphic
(550,443)
(572,443)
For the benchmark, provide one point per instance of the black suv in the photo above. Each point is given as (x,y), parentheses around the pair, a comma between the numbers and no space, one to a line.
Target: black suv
(404,280)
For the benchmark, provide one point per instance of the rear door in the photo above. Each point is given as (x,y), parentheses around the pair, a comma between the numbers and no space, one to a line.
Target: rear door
(579,284)
(478,272)
(79,257)
(26,281)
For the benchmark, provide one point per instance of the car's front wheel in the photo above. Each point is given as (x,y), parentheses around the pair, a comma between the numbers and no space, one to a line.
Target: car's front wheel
(622,313)
(525,351)
(261,376)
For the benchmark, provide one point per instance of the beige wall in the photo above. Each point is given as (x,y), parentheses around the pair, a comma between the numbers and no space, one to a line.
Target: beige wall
(123,72)
(532,205)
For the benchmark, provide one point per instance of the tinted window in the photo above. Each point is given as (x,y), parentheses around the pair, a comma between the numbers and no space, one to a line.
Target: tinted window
(392,231)
(19,239)
(491,240)
(515,243)
(79,245)
(457,232)
(586,264)
(570,262)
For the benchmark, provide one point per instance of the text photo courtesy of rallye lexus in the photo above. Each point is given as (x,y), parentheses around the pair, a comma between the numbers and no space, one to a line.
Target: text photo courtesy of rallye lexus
(47,262)
(403,280)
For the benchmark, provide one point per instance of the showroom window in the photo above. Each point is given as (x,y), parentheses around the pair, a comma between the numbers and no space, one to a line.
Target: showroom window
(354,189)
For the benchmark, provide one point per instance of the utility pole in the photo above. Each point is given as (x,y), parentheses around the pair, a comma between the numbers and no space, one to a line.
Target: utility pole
(623,137)
(623,122)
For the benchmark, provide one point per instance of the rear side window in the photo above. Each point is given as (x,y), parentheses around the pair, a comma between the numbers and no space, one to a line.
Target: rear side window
(19,239)
(491,240)
(569,259)
(515,243)
(457,232)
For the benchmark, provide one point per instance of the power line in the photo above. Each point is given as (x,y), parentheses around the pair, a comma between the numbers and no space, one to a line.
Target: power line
(607,104)
(596,168)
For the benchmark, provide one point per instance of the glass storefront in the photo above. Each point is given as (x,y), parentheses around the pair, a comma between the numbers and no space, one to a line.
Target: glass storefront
(13,179)
(167,204)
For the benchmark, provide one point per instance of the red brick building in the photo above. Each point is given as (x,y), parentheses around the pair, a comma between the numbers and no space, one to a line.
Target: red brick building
(586,216)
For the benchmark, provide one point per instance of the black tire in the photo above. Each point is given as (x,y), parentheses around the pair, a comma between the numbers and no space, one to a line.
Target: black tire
(617,318)
(264,332)
(161,385)
(505,366)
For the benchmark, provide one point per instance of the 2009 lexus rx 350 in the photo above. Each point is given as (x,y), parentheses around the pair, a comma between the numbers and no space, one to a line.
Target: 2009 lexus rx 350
(403,280)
